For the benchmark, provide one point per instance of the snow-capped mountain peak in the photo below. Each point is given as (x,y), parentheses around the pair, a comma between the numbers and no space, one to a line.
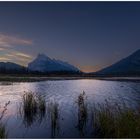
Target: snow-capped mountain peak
(43,57)
(45,64)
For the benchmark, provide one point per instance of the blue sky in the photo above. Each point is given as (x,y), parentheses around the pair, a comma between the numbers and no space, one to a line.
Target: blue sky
(90,35)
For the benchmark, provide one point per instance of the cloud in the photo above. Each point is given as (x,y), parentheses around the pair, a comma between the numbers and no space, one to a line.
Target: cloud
(4,59)
(18,57)
(23,55)
(9,41)
(1,49)
(8,52)
(10,55)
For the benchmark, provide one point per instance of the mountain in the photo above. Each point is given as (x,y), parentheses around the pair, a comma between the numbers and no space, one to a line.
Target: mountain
(127,66)
(45,64)
(9,67)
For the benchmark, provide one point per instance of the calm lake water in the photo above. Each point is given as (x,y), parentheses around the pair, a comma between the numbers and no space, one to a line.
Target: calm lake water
(65,93)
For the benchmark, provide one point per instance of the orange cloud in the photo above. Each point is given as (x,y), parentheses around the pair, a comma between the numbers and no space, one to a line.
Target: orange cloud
(8,41)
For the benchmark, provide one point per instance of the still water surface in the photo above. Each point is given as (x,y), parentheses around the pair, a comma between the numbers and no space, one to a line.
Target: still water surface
(65,93)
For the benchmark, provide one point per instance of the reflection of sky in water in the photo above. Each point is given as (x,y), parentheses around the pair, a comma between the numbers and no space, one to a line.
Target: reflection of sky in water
(65,93)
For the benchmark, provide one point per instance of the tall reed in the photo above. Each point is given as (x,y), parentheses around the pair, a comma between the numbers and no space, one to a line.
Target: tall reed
(54,114)
(3,131)
(33,108)
(114,121)
(82,113)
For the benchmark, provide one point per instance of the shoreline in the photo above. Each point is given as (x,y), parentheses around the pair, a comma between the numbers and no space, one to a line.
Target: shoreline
(45,78)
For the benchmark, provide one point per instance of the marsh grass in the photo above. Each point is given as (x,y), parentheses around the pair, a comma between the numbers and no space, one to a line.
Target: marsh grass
(33,108)
(115,121)
(53,110)
(41,104)
(4,110)
(28,108)
(41,107)
(29,103)
(82,113)
(3,131)
(108,120)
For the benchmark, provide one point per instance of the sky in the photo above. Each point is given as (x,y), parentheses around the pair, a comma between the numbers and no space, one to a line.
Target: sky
(89,35)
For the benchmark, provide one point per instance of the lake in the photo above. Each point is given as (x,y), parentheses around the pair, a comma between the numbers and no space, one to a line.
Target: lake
(65,94)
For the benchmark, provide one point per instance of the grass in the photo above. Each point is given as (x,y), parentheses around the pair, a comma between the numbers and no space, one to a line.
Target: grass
(17,78)
(108,120)
(3,132)
(29,108)
(33,107)
(29,103)
(41,104)
(82,113)
(53,111)
(112,121)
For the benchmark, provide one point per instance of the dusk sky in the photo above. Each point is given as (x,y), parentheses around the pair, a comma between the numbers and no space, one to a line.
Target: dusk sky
(89,35)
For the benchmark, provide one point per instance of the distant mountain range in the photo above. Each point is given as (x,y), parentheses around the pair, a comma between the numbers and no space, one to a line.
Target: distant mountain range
(41,64)
(9,67)
(127,66)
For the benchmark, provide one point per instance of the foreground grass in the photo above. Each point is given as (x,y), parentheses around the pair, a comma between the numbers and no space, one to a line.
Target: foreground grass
(115,121)
(107,120)
(3,131)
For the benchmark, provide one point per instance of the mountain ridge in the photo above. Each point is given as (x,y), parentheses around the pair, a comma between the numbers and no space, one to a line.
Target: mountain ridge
(10,67)
(129,65)
(43,63)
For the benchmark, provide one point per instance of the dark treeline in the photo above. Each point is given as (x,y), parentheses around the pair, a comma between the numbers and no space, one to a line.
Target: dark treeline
(23,71)
(14,71)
